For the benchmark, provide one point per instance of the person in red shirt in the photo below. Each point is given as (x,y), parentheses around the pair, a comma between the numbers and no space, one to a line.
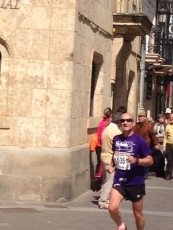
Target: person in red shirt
(106,119)
(102,125)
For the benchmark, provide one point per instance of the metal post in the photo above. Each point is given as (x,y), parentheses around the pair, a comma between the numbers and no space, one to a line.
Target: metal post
(142,75)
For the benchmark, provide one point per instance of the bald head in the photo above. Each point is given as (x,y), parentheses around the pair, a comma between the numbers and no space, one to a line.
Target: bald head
(127,123)
(127,115)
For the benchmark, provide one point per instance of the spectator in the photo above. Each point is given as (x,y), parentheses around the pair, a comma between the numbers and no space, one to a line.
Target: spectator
(106,157)
(144,129)
(167,115)
(159,128)
(106,119)
(158,157)
(168,147)
(121,110)
(103,123)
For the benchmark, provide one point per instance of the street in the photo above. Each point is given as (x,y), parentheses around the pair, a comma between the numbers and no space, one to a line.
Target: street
(83,213)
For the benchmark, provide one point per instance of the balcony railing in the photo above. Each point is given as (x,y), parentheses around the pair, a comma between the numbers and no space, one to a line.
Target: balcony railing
(136,7)
(133,17)
(159,44)
(155,44)
(128,6)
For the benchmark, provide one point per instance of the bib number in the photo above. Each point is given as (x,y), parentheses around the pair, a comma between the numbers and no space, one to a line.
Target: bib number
(121,161)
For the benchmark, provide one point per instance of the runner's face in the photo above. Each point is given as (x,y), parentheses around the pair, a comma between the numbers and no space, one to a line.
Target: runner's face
(127,122)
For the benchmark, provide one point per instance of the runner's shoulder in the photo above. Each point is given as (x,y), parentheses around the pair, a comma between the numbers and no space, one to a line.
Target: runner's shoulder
(138,138)
(135,137)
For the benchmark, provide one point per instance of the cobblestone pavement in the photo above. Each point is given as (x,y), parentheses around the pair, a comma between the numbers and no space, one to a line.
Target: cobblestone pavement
(83,213)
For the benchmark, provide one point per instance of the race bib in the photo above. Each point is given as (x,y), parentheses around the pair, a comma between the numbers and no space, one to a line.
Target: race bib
(120,160)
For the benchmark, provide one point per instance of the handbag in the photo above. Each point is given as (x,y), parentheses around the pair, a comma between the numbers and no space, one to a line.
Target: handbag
(93,142)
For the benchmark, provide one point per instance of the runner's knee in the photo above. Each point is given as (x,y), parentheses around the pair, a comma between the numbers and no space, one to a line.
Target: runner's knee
(113,207)
(138,215)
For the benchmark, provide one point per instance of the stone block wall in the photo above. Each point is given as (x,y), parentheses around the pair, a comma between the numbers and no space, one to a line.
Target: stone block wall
(43,174)
(46,71)
(90,39)
(46,59)
(37,73)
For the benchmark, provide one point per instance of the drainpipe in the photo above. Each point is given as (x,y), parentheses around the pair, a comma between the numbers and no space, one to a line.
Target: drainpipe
(142,75)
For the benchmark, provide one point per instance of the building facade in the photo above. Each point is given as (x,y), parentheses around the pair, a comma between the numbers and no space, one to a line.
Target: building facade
(159,61)
(61,64)
(132,20)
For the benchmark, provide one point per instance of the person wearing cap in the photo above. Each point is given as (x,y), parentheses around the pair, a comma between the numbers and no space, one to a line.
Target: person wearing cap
(145,129)
(167,115)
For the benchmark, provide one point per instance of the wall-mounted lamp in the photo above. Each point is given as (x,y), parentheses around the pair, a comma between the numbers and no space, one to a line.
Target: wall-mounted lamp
(162,13)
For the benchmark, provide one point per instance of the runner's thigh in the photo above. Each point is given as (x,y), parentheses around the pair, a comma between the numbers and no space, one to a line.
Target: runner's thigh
(115,199)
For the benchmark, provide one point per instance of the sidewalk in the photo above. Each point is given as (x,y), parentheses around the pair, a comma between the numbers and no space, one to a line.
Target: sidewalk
(83,213)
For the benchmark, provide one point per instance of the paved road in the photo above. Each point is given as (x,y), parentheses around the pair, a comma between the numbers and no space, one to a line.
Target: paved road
(83,213)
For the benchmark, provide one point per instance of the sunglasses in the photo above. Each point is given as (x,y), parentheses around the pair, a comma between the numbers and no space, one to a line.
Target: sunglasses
(128,120)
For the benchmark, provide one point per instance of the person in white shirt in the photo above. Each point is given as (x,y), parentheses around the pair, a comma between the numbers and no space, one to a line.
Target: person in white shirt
(159,128)
(157,169)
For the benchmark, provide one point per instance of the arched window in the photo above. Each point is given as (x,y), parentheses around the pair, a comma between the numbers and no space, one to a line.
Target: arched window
(95,86)
(0,62)
(4,76)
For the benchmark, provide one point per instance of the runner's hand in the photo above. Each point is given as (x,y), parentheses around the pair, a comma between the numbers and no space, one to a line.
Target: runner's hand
(131,159)
(110,169)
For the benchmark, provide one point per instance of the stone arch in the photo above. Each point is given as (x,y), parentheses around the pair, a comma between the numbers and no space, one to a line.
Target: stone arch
(6,46)
(5,64)
(96,85)
(6,54)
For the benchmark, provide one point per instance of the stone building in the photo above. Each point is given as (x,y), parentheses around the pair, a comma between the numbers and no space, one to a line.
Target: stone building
(159,59)
(132,20)
(61,63)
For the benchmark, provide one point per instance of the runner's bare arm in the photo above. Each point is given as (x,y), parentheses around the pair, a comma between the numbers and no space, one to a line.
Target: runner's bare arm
(146,161)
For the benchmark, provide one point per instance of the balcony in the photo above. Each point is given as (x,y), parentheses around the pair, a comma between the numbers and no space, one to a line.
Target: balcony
(159,51)
(133,17)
